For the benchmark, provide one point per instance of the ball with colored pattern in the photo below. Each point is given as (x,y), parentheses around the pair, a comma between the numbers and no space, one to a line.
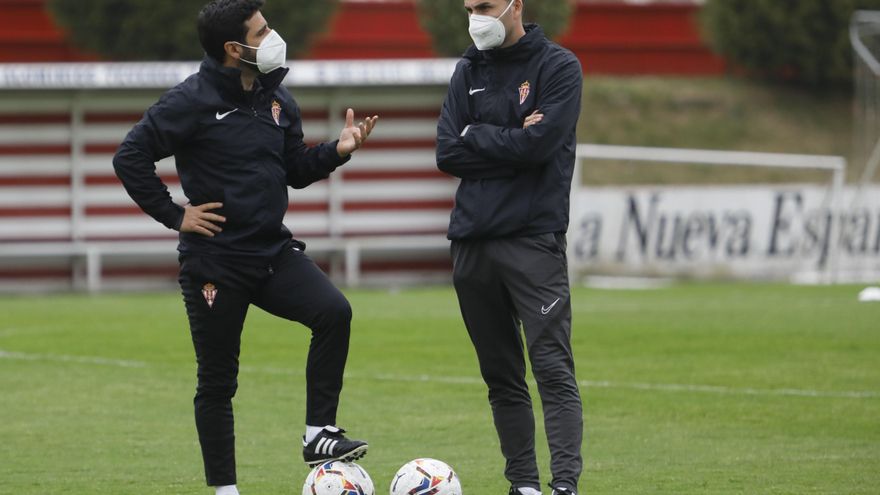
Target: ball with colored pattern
(425,477)
(338,478)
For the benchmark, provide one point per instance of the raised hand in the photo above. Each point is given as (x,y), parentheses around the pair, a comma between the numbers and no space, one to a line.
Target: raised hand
(353,137)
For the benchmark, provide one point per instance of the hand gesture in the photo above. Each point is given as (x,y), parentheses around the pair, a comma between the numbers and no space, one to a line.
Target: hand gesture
(353,137)
(199,220)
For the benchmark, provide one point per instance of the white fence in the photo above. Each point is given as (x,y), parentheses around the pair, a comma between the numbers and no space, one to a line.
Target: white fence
(66,222)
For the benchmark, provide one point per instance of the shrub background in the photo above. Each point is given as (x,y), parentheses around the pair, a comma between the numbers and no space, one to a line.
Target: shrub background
(166,29)
(803,41)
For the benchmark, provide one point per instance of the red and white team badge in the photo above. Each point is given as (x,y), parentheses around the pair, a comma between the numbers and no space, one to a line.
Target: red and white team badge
(524,90)
(210,293)
(276,112)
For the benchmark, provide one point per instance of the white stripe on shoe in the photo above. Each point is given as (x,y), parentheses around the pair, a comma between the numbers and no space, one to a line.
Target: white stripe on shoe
(320,445)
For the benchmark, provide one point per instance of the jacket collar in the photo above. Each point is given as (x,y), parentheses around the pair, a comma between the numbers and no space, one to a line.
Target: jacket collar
(523,49)
(228,79)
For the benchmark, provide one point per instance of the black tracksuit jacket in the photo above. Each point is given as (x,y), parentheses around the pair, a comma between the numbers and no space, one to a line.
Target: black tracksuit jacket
(228,148)
(514,181)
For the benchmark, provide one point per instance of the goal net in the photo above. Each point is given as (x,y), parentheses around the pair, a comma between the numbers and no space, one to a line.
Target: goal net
(865,38)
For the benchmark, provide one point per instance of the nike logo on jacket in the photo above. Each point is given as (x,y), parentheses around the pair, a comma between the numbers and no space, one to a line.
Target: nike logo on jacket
(221,116)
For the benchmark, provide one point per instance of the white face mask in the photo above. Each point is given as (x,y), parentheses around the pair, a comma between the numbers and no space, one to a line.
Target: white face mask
(271,54)
(488,32)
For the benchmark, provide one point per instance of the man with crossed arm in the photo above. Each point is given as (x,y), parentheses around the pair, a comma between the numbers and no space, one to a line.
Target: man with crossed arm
(507,129)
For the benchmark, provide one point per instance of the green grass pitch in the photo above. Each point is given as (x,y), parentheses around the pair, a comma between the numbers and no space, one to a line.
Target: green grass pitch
(694,389)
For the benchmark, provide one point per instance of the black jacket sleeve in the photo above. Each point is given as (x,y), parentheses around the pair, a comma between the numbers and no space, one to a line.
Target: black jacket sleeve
(559,102)
(162,130)
(305,164)
(453,157)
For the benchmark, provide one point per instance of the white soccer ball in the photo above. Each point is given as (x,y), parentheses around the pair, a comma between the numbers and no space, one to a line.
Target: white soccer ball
(338,478)
(425,477)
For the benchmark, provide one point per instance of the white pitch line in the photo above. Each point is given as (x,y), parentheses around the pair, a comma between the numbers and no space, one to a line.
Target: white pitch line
(61,358)
(713,389)
(470,380)
(652,387)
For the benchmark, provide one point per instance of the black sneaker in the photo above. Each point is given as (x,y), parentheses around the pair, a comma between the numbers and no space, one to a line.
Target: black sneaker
(563,491)
(331,445)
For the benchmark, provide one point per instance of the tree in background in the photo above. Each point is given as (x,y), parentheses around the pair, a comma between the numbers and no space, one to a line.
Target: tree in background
(166,29)
(447,22)
(805,41)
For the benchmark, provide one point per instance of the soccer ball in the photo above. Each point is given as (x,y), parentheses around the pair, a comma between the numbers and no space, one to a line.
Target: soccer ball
(425,477)
(338,478)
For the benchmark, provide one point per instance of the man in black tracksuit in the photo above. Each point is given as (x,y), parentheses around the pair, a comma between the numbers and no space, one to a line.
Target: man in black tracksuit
(507,129)
(237,138)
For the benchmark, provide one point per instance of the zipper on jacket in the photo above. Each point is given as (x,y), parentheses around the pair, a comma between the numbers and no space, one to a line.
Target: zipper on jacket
(249,100)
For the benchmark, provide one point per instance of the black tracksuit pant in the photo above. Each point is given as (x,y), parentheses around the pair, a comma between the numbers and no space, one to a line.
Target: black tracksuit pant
(217,293)
(501,283)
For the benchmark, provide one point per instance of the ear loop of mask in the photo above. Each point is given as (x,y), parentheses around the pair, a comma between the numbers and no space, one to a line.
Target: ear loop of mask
(507,9)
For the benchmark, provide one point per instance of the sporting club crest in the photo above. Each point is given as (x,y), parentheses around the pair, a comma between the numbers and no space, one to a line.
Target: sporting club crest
(209,291)
(524,90)
(276,112)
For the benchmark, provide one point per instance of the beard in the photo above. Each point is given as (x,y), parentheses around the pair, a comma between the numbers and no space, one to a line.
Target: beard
(250,54)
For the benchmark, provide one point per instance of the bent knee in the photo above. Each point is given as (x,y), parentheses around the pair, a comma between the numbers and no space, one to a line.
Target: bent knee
(340,308)
(334,313)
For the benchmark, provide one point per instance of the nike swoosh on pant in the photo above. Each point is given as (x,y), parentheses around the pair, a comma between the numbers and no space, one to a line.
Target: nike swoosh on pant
(545,310)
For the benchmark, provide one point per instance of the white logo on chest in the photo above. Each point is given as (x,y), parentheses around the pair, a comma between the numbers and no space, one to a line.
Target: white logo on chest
(221,116)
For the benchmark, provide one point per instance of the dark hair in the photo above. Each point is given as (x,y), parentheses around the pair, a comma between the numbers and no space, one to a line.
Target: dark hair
(223,20)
